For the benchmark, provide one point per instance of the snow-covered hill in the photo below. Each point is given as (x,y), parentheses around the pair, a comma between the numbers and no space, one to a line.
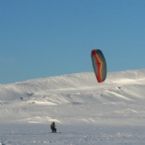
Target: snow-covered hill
(76,98)
(86,112)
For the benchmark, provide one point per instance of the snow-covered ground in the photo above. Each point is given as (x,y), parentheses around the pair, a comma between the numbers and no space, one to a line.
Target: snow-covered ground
(85,112)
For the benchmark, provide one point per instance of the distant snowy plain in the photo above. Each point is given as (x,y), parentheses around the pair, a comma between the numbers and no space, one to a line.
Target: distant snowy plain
(85,112)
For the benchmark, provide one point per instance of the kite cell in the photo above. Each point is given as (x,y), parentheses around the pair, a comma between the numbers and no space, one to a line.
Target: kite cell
(99,65)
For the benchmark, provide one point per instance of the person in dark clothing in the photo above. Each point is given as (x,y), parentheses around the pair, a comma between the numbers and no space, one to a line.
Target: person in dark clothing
(53,127)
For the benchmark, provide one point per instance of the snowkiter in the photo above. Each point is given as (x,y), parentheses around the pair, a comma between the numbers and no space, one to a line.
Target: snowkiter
(53,127)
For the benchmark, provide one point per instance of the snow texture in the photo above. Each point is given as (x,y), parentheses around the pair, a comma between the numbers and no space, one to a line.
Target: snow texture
(85,112)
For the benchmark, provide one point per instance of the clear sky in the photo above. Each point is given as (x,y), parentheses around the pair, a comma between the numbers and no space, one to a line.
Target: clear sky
(41,38)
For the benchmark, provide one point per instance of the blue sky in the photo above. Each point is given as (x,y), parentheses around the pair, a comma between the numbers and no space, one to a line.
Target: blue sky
(40,38)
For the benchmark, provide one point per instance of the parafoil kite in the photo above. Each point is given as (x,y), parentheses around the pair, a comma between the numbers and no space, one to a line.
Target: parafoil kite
(99,64)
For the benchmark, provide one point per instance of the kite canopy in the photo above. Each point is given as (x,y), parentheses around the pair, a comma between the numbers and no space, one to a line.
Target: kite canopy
(99,64)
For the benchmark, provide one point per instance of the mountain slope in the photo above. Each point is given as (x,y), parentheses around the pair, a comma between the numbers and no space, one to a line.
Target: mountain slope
(76,98)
